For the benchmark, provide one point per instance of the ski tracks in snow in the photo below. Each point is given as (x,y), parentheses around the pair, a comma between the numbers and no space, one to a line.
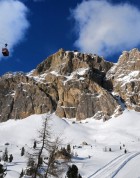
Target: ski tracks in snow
(113,167)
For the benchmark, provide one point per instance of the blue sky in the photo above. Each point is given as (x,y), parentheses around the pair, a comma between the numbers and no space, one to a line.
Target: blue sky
(34,29)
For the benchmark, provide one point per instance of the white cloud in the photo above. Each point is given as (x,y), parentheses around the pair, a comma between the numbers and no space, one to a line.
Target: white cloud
(106,29)
(13,22)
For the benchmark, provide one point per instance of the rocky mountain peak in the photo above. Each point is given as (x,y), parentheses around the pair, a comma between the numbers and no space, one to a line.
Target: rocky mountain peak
(73,84)
(65,62)
(130,56)
(125,78)
(68,82)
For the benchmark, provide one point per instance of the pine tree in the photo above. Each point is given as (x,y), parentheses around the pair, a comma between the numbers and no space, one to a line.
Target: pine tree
(69,148)
(2,171)
(72,172)
(22,151)
(79,176)
(125,151)
(31,167)
(34,146)
(5,155)
(21,174)
(46,142)
(40,161)
(11,158)
(31,161)
(53,169)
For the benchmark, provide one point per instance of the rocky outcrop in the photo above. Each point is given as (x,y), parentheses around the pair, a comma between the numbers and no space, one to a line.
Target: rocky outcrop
(65,62)
(21,96)
(78,80)
(125,78)
(83,98)
(70,83)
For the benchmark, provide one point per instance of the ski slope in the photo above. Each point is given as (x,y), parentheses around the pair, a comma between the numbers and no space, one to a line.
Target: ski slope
(92,160)
(131,169)
(111,169)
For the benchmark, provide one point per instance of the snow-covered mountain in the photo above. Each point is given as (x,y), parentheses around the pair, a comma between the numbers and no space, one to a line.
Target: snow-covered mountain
(68,82)
(73,84)
(80,92)
(125,78)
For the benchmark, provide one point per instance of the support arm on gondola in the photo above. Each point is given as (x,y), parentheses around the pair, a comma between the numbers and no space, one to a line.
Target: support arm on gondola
(5,51)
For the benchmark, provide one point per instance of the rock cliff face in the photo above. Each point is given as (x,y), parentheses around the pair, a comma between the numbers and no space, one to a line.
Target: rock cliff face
(21,96)
(72,84)
(124,78)
(75,82)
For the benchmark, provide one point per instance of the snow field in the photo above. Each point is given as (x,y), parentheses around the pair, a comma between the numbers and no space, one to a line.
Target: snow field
(100,136)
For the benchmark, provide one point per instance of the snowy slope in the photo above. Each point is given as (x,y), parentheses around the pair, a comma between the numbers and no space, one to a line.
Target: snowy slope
(100,136)
(116,165)
(131,168)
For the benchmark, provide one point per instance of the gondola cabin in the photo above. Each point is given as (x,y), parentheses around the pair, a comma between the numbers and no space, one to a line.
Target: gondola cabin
(5,52)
